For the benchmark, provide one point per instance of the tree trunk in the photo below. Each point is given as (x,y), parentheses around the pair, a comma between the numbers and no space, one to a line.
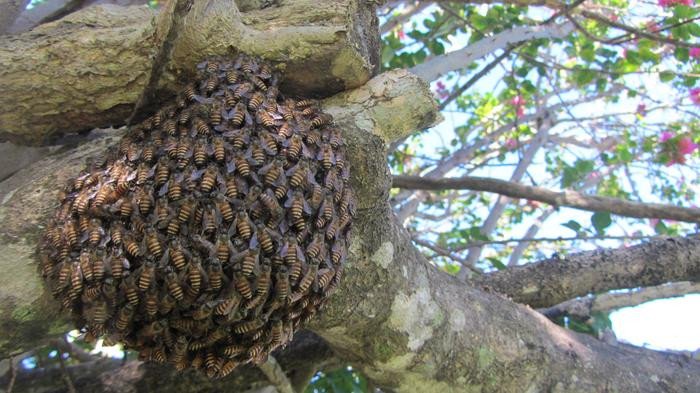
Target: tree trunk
(405,324)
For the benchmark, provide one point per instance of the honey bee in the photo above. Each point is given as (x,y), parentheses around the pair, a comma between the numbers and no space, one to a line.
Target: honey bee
(194,274)
(255,101)
(256,152)
(238,115)
(177,255)
(82,202)
(265,119)
(266,238)
(324,277)
(213,364)
(124,317)
(179,354)
(131,246)
(295,147)
(184,149)
(248,326)
(297,206)
(215,275)
(258,83)
(244,226)
(321,120)
(147,275)
(264,278)
(116,233)
(151,302)
(242,285)
(95,232)
(162,172)
(242,166)
(273,172)
(153,243)
(210,84)
(269,200)
(117,266)
(186,209)
(203,312)
(316,246)
(126,206)
(201,127)
(144,201)
(309,277)
(338,252)
(285,130)
(208,179)
(298,174)
(302,104)
(326,156)
(249,260)
(162,209)
(212,67)
(232,76)
(200,153)
(190,92)
(98,265)
(170,126)
(325,213)
(173,284)
(282,284)
(131,291)
(86,265)
(167,303)
(106,194)
(241,90)
(219,150)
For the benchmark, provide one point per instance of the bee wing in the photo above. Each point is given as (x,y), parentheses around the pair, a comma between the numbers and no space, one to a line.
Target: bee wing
(164,189)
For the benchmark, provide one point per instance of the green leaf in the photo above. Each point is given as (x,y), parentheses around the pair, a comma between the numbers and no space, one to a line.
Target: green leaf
(387,54)
(600,221)
(573,225)
(666,76)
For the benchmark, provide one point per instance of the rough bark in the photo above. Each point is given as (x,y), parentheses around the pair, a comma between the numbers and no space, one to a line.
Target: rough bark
(552,281)
(27,198)
(406,325)
(9,11)
(306,352)
(90,68)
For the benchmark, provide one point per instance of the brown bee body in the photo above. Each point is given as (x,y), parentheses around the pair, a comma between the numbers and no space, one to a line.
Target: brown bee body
(146,276)
(189,241)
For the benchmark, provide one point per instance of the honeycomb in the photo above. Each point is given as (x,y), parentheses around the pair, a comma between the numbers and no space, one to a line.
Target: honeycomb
(213,231)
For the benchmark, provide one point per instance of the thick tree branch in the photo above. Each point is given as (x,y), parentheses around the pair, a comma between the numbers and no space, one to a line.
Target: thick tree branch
(94,64)
(27,315)
(440,65)
(566,198)
(583,307)
(555,280)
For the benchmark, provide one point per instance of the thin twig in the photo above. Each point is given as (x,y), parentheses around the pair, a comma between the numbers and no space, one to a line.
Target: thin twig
(445,253)
(64,373)
(13,375)
(274,373)
(637,32)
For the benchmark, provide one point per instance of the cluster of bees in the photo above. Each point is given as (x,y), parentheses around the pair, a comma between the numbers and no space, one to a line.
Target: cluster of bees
(213,231)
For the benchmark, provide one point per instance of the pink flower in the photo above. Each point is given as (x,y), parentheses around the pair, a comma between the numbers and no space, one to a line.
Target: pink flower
(593,175)
(686,146)
(613,18)
(520,112)
(510,144)
(517,101)
(695,96)
(694,52)
(653,222)
(666,135)
(652,25)
(440,85)
(402,35)
(671,3)
(642,109)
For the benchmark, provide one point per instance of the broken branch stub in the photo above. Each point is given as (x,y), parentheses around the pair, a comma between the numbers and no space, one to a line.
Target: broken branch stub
(89,69)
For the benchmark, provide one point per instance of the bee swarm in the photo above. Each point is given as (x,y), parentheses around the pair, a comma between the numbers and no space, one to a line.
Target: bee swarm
(213,231)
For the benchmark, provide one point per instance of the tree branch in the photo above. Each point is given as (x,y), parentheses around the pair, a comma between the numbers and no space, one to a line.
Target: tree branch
(555,280)
(583,307)
(440,65)
(566,198)
(275,374)
(94,64)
